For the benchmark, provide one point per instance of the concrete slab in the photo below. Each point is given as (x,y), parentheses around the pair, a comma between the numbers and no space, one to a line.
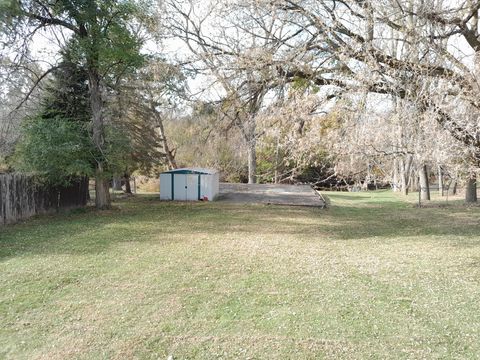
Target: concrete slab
(277,194)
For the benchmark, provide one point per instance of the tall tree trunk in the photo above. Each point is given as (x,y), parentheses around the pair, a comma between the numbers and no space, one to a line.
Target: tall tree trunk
(404,186)
(172,164)
(403,178)
(424,186)
(440,181)
(454,186)
(252,161)
(413,183)
(275,175)
(368,178)
(248,129)
(471,189)
(102,194)
(395,176)
(471,185)
(128,188)
(405,165)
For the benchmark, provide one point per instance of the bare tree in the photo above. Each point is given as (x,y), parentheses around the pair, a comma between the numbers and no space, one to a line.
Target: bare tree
(234,44)
(401,49)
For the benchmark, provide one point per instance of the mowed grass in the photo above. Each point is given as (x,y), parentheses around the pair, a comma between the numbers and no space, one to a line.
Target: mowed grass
(371,277)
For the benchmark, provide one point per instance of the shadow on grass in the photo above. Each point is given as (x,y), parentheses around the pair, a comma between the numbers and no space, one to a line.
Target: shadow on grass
(145,219)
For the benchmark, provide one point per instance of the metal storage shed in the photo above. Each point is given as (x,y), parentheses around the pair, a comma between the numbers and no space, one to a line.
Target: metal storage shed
(189,184)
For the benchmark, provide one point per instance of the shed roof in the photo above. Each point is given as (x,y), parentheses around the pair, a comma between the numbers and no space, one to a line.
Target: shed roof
(200,171)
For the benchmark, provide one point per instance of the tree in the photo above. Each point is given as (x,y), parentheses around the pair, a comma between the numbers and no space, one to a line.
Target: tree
(13,88)
(233,45)
(139,106)
(144,101)
(55,148)
(55,141)
(200,138)
(293,129)
(361,46)
(104,43)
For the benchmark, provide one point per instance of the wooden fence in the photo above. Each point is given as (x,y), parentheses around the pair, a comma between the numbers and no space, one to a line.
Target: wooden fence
(22,196)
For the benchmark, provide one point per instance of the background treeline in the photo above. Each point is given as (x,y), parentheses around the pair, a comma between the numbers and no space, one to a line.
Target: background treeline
(344,95)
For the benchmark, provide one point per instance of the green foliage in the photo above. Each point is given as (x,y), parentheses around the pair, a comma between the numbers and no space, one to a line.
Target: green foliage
(58,148)
(105,38)
(56,143)
(8,10)
(118,151)
(66,94)
(55,148)
(143,100)
(108,45)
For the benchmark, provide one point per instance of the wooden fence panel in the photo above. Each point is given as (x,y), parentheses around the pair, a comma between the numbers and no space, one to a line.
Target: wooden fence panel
(21,197)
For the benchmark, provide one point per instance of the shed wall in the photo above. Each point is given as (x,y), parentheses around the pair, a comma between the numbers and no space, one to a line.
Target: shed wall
(209,186)
(165,186)
(186,186)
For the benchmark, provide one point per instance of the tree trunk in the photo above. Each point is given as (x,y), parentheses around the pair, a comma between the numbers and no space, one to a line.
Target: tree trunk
(275,175)
(454,187)
(403,178)
(88,191)
(440,181)
(404,186)
(471,190)
(405,165)
(252,161)
(102,195)
(368,178)
(424,186)
(128,188)
(413,183)
(172,164)
(395,186)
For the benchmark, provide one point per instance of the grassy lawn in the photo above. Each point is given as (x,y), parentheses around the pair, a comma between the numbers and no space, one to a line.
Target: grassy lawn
(371,277)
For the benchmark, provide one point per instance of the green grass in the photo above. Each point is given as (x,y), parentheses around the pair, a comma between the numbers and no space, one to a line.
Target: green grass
(371,277)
